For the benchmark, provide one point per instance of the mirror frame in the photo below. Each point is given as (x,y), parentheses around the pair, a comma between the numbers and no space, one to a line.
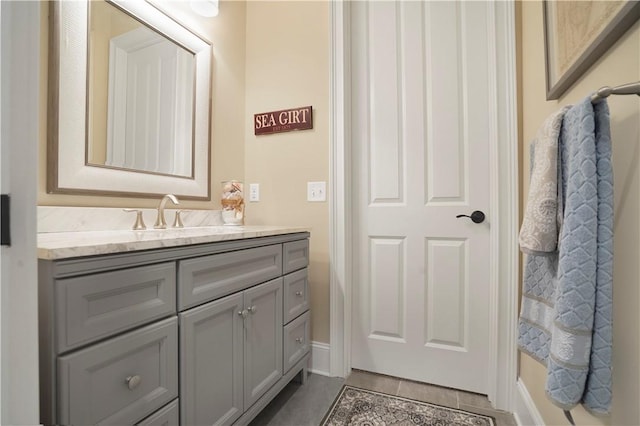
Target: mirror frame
(67,169)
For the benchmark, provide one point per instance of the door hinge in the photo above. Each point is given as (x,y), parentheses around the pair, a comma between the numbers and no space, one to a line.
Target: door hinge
(5,224)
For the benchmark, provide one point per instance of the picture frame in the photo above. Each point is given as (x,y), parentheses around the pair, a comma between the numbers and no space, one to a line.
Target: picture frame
(577,34)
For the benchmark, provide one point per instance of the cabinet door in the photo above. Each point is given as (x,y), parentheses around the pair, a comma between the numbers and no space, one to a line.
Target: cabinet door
(263,342)
(211,342)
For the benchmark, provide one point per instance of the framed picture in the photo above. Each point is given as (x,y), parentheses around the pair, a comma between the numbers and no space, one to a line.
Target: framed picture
(578,33)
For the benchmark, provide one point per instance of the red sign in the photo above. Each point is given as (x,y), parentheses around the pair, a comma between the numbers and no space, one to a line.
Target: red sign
(283,121)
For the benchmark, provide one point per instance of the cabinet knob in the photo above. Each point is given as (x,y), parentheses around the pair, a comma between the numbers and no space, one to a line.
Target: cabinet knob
(299,339)
(299,293)
(252,309)
(243,313)
(133,382)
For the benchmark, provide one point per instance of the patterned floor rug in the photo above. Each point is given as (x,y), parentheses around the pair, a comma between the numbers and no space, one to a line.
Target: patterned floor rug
(359,407)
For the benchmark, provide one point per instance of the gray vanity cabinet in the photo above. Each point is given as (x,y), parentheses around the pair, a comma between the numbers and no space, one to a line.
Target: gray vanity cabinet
(204,334)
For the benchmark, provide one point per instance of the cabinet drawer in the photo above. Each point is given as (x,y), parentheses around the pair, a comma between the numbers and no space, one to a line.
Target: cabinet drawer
(95,306)
(297,340)
(296,294)
(295,255)
(168,415)
(122,380)
(210,277)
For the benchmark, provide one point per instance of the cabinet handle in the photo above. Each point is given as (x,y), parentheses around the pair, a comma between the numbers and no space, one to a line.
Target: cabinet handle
(133,382)
(252,309)
(299,293)
(476,217)
(299,339)
(243,313)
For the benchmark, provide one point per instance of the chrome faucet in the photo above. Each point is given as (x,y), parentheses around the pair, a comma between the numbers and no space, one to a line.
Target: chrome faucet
(161,223)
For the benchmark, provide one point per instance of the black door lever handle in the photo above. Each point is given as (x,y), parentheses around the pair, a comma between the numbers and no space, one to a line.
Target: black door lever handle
(476,217)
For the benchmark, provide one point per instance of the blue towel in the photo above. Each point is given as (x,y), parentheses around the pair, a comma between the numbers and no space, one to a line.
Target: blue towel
(566,316)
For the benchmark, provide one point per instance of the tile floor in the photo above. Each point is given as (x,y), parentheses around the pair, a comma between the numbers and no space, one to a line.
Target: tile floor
(299,405)
(306,405)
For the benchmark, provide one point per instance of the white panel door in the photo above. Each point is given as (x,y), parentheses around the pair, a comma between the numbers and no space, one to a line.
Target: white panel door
(421,131)
(150,104)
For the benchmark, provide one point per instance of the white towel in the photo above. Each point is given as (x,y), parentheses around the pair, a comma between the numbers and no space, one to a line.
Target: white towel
(543,213)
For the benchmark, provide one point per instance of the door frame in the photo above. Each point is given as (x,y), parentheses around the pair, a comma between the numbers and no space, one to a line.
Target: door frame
(503,274)
(20,126)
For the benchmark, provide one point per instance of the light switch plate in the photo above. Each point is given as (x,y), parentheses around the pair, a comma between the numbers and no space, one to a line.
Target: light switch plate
(316,191)
(254,192)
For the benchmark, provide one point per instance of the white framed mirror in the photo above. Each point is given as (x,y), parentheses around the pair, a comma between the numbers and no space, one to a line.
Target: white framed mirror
(129,102)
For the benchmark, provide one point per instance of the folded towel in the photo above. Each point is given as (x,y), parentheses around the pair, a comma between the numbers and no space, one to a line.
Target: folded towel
(540,226)
(565,320)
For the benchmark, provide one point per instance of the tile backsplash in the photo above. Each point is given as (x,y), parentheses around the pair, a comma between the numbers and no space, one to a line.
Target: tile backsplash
(73,219)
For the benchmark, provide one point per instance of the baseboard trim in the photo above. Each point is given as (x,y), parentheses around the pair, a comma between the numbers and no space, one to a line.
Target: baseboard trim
(526,413)
(320,355)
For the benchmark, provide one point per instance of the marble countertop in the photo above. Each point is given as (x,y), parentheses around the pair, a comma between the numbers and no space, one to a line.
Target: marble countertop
(62,245)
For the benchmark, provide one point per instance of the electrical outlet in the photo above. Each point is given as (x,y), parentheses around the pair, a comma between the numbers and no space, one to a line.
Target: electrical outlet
(254,192)
(316,191)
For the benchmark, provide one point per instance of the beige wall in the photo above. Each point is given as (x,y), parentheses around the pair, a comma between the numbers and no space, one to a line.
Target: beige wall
(277,53)
(287,67)
(621,64)
(227,34)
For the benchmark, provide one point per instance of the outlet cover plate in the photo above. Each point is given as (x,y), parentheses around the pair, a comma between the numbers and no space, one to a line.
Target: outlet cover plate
(254,192)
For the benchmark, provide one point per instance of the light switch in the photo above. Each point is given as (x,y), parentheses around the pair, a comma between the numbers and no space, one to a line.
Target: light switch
(316,191)
(254,192)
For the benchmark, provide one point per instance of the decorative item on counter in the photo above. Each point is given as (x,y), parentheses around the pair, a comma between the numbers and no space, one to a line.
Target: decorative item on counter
(232,202)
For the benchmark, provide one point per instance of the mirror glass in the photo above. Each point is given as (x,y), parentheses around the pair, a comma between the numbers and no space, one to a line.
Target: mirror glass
(140,96)
(129,102)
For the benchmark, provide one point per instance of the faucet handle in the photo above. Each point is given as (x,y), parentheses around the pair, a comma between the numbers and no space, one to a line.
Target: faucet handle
(139,225)
(177,223)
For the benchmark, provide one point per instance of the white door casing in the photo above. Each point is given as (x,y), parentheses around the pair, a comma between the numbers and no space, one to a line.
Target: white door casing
(19,133)
(421,137)
(503,199)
